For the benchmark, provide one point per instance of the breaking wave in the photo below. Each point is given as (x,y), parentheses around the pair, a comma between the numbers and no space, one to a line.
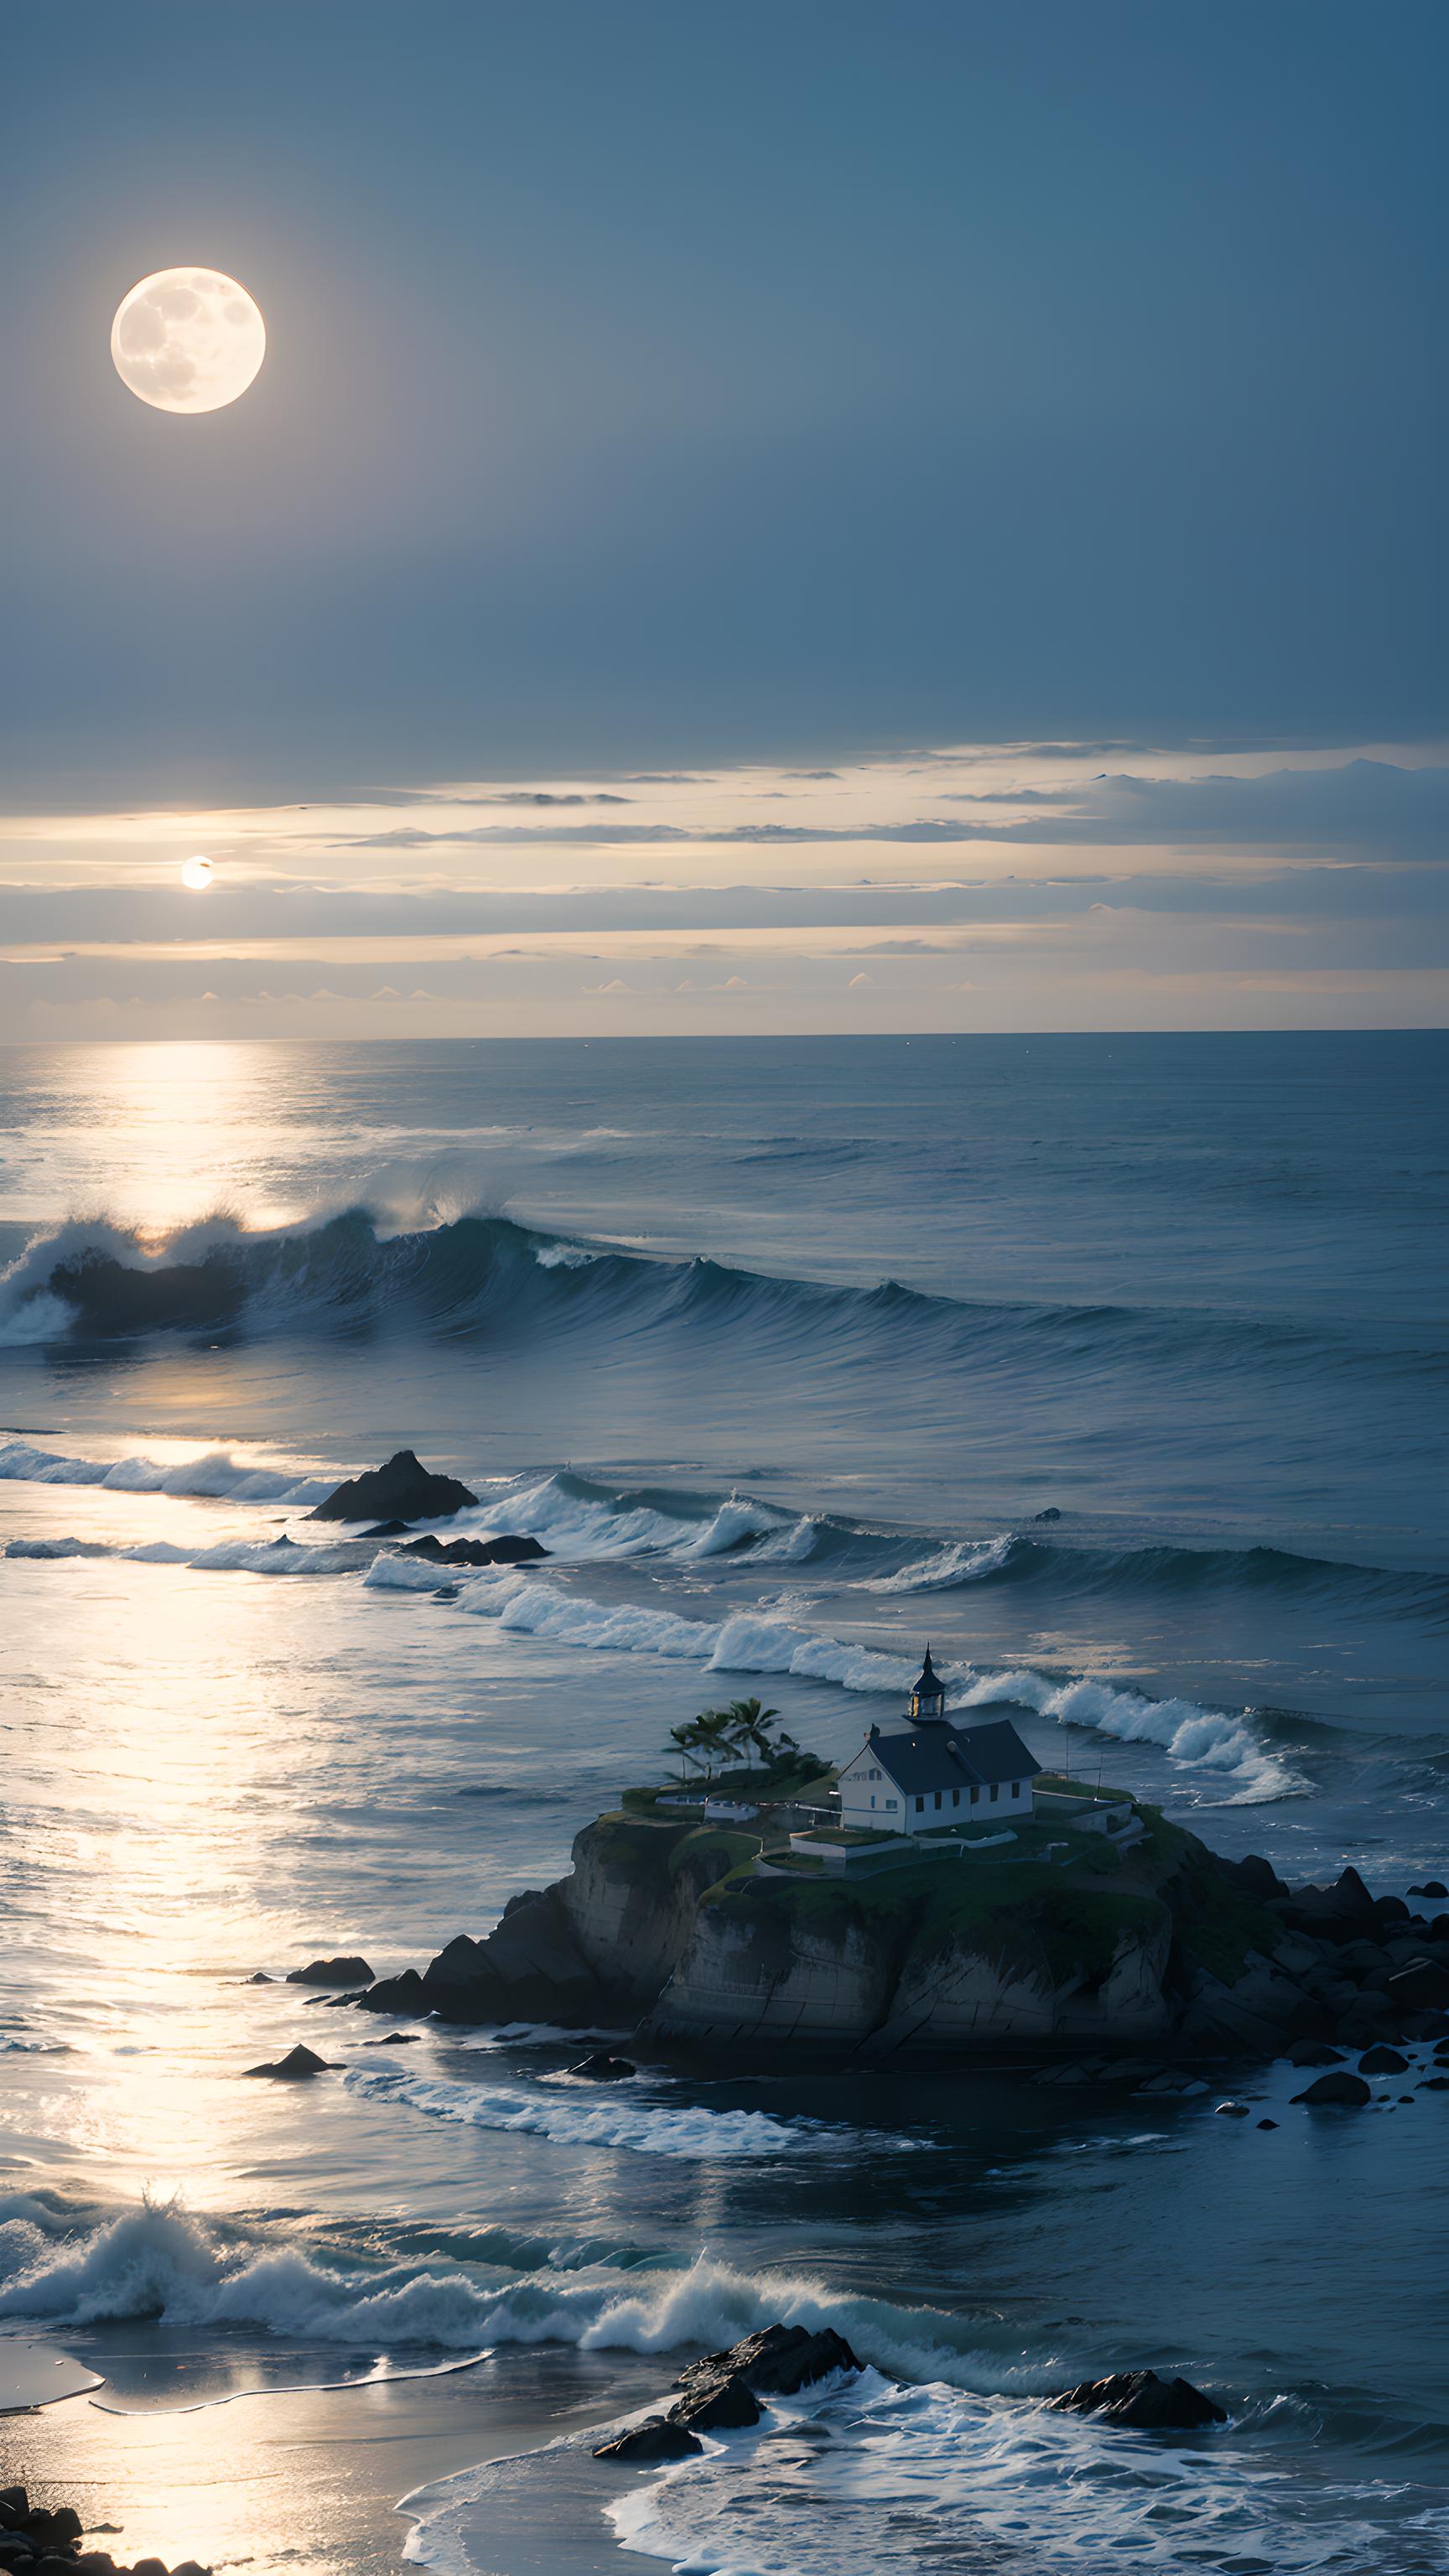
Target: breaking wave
(92,1281)
(1215,1741)
(163,2262)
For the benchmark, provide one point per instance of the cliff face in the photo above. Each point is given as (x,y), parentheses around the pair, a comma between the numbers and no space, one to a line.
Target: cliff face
(902,1966)
(663,1923)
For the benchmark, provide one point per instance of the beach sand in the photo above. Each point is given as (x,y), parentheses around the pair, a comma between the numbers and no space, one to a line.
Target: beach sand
(309,2481)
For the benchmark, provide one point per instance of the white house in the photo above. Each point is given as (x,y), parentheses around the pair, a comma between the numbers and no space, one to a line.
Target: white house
(934,1773)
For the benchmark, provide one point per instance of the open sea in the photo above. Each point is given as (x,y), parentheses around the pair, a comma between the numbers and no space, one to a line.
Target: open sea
(1115,1365)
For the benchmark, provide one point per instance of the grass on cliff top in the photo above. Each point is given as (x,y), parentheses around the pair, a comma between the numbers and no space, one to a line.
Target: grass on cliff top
(1070,1916)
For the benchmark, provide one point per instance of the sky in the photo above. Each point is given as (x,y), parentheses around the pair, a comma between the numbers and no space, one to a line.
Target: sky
(804,516)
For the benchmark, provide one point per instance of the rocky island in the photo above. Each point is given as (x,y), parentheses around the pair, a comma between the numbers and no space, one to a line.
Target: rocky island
(741,1917)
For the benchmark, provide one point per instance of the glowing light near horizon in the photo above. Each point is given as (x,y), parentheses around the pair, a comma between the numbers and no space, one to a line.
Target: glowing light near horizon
(188,339)
(196,873)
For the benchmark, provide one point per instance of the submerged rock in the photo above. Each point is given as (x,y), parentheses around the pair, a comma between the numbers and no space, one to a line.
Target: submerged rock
(298,2063)
(655,2439)
(331,1972)
(1349,2090)
(1140,2399)
(506,1550)
(603,2069)
(402,1490)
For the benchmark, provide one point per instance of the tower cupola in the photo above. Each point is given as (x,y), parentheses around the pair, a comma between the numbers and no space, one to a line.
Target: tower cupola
(928,1699)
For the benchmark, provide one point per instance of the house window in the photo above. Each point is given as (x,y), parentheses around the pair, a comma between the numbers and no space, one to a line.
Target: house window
(890,1806)
(920,1806)
(938,1798)
(955,1797)
(995,1791)
(1016,1788)
(872,1802)
(975,1797)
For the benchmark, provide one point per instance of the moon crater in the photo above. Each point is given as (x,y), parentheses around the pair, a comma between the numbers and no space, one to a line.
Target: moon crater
(188,339)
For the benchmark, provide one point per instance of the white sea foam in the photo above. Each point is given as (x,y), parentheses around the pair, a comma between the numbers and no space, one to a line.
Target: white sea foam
(231,1556)
(588,2119)
(750,1641)
(962,1562)
(162,2262)
(215,1477)
(924,2474)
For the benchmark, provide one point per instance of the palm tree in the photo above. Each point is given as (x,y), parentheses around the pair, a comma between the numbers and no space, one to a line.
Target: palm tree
(750,1727)
(683,1740)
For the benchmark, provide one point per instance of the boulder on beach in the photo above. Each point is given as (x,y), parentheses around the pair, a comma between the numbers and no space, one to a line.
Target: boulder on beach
(1348,2090)
(298,2063)
(1314,2052)
(1421,1986)
(655,2439)
(600,2068)
(1383,2061)
(331,1972)
(403,1490)
(721,2392)
(1140,2399)
(506,1550)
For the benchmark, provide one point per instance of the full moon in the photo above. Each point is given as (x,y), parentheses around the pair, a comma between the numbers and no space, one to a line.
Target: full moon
(196,873)
(188,339)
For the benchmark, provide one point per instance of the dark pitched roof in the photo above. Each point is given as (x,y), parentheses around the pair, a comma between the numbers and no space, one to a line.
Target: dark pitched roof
(952,1757)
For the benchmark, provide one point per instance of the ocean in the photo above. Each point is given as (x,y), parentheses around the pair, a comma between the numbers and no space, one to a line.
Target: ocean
(1115,1366)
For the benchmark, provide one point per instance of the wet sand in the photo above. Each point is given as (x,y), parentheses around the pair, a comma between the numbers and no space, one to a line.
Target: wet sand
(309,2482)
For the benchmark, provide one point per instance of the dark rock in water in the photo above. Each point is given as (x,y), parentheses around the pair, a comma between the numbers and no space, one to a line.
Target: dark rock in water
(506,1550)
(297,2063)
(1422,1986)
(389,1529)
(1267,2124)
(1383,2061)
(1350,2090)
(1050,1514)
(395,2039)
(1258,1876)
(402,1994)
(1313,2052)
(727,2406)
(1435,2084)
(1431,1887)
(528,1968)
(655,2439)
(1140,2399)
(1233,2110)
(602,2069)
(776,2362)
(402,1490)
(261,1979)
(332,1972)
